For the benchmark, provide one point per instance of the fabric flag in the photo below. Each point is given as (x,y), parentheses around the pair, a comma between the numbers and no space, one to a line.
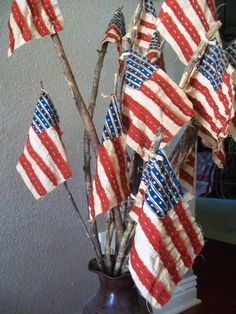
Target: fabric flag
(110,183)
(154,50)
(218,153)
(184,24)
(146,27)
(167,238)
(187,172)
(43,164)
(116,30)
(211,91)
(31,19)
(231,55)
(151,100)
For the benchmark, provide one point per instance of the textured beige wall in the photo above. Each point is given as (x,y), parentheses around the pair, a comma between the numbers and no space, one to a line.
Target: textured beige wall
(43,251)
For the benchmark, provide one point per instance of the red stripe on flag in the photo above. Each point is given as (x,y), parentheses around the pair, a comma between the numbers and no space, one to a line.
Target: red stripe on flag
(20,21)
(31,175)
(143,115)
(110,171)
(183,20)
(227,80)
(152,55)
(162,105)
(190,160)
(49,10)
(184,175)
(113,36)
(37,18)
(120,153)
(151,283)
(11,37)
(202,112)
(155,238)
(171,92)
(41,164)
(198,10)
(101,193)
(116,29)
(177,240)
(206,93)
(211,5)
(144,37)
(176,35)
(147,24)
(188,228)
(136,134)
(55,154)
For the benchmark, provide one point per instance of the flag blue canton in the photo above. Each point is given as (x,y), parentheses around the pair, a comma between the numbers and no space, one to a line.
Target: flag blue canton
(45,115)
(113,125)
(149,7)
(119,20)
(163,188)
(139,68)
(213,65)
(231,53)
(155,42)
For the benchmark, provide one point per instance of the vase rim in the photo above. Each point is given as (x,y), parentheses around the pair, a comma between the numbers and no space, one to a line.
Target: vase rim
(92,266)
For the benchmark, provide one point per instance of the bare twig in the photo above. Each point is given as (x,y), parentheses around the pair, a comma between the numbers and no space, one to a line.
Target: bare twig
(88,123)
(125,262)
(123,247)
(110,226)
(119,225)
(80,104)
(99,261)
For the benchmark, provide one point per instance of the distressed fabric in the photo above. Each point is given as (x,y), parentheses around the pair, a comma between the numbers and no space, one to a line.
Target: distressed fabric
(231,55)
(164,246)
(43,163)
(116,30)
(218,153)
(146,27)
(151,99)
(187,172)
(184,24)
(211,91)
(154,49)
(32,19)
(110,183)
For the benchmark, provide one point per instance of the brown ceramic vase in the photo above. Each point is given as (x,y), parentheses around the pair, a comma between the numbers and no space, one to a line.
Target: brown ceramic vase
(115,295)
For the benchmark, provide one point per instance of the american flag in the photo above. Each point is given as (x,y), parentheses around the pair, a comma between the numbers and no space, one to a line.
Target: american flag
(184,24)
(218,153)
(167,238)
(211,92)
(146,27)
(151,100)
(43,164)
(155,47)
(116,30)
(110,183)
(231,55)
(30,19)
(186,170)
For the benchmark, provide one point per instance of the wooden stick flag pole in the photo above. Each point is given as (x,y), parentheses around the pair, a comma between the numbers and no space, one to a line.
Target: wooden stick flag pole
(80,104)
(88,124)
